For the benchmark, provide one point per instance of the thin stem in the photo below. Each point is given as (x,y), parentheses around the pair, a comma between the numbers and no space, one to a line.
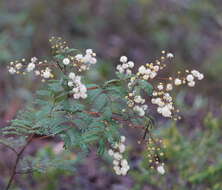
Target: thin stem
(117,118)
(60,67)
(11,148)
(161,78)
(45,65)
(18,157)
(92,88)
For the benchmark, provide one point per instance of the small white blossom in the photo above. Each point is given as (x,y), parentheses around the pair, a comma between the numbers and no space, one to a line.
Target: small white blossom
(160,87)
(110,152)
(161,169)
(79,57)
(46,73)
(195,73)
(117,156)
(37,73)
(142,69)
(139,110)
(33,59)
(124,162)
(66,61)
(131,64)
(89,51)
(170,55)
(76,96)
(70,83)
(72,76)
(191,84)
(190,78)
(123,59)
(18,66)
(169,87)
(12,70)
(166,111)
(177,82)
(122,139)
(122,148)
(200,77)
(30,67)
(115,162)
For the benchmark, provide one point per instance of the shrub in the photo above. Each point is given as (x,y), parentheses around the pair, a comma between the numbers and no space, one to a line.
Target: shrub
(84,114)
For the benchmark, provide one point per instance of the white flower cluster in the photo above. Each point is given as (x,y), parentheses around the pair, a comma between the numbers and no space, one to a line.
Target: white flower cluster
(16,67)
(163,99)
(189,79)
(150,70)
(86,60)
(165,104)
(137,102)
(134,100)
(79,90)
(125,67)
(31,65)
(120,165)
(148,73)
(46,73)
(194,74)
(12,70)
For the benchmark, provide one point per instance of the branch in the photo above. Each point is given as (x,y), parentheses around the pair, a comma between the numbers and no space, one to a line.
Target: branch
(92,88)
(17,161)
(8,146)
(117,117)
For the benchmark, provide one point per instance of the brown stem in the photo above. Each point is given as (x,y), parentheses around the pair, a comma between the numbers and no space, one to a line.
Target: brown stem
(11,148)
(117,118)
(45,65)
(161,78)
(92,88)
(18,157)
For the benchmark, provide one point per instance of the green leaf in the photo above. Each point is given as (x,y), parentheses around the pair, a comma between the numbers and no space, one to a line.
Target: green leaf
(43,93)
(100,102)
(107,113)
(89,138)
(61,97)
(97,125)
(72,106)
(92,94)
(112,82)
(55,86)
(116,92)
(101,147)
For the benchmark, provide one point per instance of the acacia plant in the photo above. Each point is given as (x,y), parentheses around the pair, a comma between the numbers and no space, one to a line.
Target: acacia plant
(84,114)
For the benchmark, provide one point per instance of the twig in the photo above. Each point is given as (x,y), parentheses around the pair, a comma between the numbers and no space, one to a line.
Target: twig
(11,148)
(18,157)
(92,88)
(117,118)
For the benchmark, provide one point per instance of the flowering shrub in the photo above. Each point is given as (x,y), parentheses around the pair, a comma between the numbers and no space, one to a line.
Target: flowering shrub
(84,114)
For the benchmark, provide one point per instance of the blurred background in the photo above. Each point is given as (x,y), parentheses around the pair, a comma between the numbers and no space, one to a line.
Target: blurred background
(139,29)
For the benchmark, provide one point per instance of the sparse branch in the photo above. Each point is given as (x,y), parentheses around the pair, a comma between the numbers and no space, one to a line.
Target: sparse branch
(18,157)
(9,147)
